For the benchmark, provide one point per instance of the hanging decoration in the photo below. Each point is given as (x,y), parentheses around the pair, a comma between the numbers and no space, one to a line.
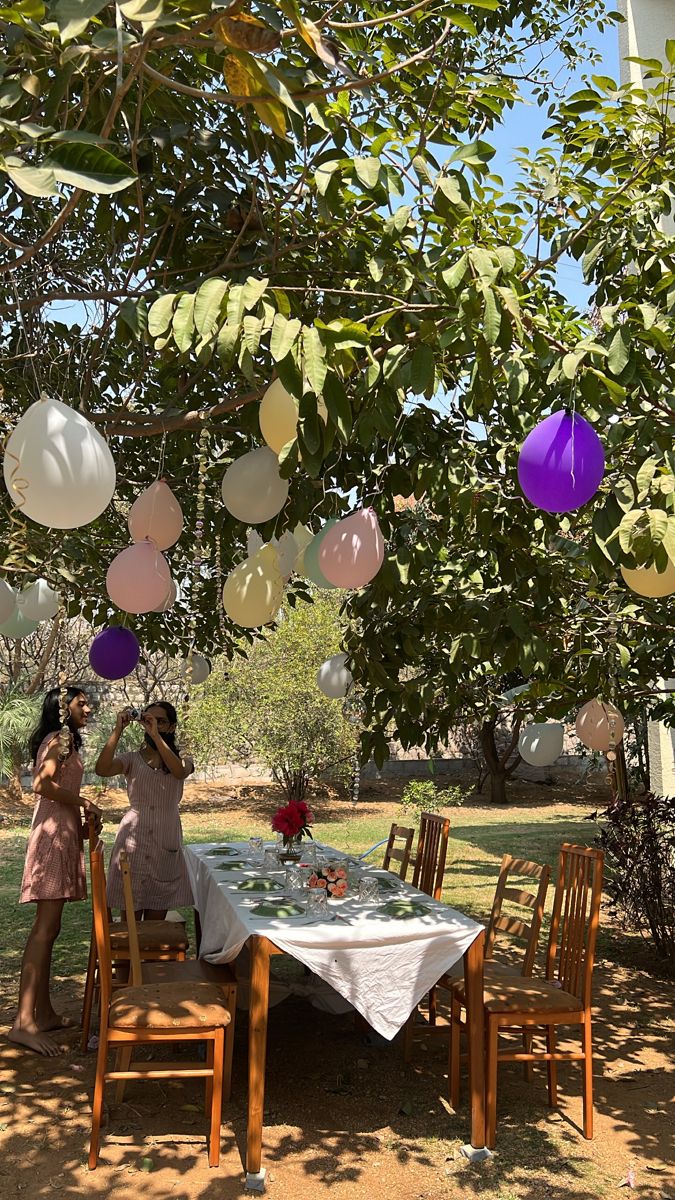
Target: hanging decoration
(647,581)
(540,744)
(197,561)
(64,708)
(354,711)
(310,558)
(201,669)
(114,652)
(58,469)
(38,601)
(17,626)
(138,578)
(169,599)
(7,601)
(157,515)
(561,463)
(333,678)
(352,552)
(253,490)
(287,552)
(254,590)
(599,726)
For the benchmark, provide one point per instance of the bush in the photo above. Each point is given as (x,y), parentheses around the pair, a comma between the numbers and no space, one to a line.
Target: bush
(638,837)
(422,795)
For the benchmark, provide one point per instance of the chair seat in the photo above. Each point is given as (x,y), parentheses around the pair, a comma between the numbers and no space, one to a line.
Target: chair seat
(192,970)
(518,995)
(152,935)
(491,970)
(168,1006)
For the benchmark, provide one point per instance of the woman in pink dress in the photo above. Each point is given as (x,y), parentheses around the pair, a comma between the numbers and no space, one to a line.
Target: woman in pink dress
(54,870)
(150,831)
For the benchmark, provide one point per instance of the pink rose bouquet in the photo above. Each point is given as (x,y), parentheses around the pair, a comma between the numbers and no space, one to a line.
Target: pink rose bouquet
(333,878)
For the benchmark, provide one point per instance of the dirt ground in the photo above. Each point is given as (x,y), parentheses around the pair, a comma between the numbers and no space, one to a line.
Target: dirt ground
(344,1118)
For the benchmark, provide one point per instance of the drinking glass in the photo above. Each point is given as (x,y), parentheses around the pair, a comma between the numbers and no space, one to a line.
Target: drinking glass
(294,880)
(256,849)
(368,889)
(306,871)
(309,853)
(317,901)
(271,859)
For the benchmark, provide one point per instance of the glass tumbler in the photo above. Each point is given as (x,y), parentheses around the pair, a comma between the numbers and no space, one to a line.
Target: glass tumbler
(317,901)
(368,889)
(294,880)
(256,849)
(271,859)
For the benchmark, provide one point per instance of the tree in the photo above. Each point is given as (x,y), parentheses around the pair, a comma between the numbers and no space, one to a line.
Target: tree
(287,189)
(18,717)
(267,708)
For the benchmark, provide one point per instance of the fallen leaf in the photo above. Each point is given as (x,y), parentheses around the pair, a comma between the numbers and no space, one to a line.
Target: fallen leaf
(146,1164)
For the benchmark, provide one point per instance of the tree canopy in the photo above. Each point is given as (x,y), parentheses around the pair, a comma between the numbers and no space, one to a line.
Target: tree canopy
(224,193)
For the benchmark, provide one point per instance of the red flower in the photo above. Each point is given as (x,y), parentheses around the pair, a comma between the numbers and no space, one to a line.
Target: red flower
(292,819)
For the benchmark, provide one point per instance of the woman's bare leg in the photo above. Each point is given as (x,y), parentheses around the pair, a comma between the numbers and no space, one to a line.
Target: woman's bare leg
(34,1000)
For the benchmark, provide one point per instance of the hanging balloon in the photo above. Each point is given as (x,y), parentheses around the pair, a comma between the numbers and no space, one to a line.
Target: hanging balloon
(17,626)
(333,678)
(58,469)
(7,601)
(156,514)
(561,463)
(541,743)
(287,550)
(38,601)
(595,724)
(169,600)
(310,558)
(647,581)
(138,579)
(253,490)
(352,552)
(278,416)
(201,668)
(114,652)
(254,590)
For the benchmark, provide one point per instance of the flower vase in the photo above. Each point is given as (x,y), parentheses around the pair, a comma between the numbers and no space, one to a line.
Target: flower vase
(292,849)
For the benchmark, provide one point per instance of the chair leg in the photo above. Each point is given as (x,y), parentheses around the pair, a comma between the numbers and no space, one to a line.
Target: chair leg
(527,1047)
(208,1094)
(217,1097)
(453,1062)
(552,1067)
(88,1000)
(408,1030)
(122,1063)
(491,1065)
(587,1065)
(97,1105)
(432,1006)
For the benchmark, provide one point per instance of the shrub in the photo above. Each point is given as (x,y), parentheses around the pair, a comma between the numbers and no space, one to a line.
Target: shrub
(638,837)
(422,795)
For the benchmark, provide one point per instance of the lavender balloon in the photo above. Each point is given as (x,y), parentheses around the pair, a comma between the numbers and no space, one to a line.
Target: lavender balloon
(114,652)
(561,463)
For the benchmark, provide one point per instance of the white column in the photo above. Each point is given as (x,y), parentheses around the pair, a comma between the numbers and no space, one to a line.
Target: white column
(643,34)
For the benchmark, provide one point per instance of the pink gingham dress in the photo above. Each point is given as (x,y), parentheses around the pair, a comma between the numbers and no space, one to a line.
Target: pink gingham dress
(54,867)
(152,836)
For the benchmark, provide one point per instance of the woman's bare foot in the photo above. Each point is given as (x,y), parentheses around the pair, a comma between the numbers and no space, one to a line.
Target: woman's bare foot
(53,1020)
(34,1039)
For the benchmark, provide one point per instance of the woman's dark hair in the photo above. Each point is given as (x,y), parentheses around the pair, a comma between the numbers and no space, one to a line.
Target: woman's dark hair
(172,718)
(50,719)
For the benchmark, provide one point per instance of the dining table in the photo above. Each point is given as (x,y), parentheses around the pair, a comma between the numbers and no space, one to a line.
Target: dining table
(381,955)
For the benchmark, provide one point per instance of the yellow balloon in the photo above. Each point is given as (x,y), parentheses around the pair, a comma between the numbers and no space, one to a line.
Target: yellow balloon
(647,581)
(254,590)
(278,416)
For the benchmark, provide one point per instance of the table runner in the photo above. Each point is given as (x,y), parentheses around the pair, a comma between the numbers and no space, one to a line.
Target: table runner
(381,964)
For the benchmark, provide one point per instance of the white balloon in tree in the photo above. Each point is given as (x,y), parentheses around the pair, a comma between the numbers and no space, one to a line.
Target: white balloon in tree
(541,743)
(333,678)
(254,590)
(58,469)
(38,601)
(7,601)
(201,668)
(253,490)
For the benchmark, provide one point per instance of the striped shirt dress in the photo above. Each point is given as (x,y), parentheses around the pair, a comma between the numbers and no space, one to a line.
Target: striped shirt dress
(150,832)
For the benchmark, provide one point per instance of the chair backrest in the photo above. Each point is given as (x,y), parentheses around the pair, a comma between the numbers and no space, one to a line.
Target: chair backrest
(134,949)
(575,920)
(432,847)
(101,926)
(399,848)
(513,924)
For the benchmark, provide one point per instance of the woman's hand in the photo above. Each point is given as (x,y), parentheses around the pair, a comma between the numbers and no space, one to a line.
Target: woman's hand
(92,810)
(124,718)
(150,726)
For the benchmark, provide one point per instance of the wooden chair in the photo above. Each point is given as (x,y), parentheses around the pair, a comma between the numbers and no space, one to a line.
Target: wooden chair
(146,1014)
(432,848)
(399,847)
(180,971)
(563,998)
(160,941)
(516,927)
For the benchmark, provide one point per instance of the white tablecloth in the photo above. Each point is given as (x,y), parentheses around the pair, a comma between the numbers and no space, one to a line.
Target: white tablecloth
(382,965)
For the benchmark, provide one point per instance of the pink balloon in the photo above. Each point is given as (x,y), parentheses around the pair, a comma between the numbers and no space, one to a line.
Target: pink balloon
(169,600)
(138,579)
(156,514)
(352,552)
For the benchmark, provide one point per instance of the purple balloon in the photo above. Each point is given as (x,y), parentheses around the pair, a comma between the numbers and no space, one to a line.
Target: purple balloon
(561,463)
(114,652)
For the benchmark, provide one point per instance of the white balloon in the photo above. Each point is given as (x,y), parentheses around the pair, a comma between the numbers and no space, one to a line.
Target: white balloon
(541,743)
(7,601)
(333,678)
(38,601)
(201,668)
(58,469)
(253,490)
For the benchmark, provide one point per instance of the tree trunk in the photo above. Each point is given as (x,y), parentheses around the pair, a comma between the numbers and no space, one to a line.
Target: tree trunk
(498,766)
(14,785)
(498,787)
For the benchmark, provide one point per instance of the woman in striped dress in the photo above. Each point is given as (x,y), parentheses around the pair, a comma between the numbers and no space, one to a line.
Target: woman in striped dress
(150,831)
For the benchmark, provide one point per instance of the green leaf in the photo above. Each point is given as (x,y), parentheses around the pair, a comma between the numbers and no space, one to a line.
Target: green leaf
(644,477)
(226,344)
(618,355)
(492,319)
(367,171)
(208,305)
(160,314)
(284,336)
(91,168)
(34,181)
(453,276)
(251,333)
(339,408)
(182,324)
(323,175)
(314,360)
(73,16)
(423,371)
(254,290)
